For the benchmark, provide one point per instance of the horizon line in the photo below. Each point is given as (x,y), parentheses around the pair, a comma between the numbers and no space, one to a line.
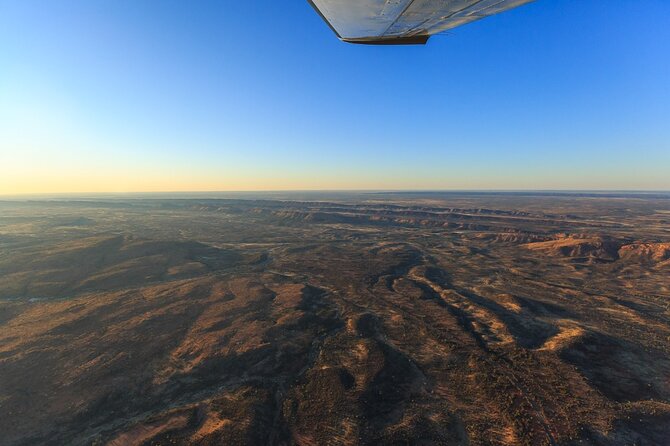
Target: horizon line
(353,191)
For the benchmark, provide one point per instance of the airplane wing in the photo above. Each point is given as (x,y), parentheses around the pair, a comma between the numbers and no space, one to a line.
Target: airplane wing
(403,22)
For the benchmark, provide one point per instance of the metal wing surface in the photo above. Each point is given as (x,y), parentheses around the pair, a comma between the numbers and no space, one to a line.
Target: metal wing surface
(398,22)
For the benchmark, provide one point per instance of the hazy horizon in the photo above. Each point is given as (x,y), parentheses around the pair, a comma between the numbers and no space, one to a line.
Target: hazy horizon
(335,195)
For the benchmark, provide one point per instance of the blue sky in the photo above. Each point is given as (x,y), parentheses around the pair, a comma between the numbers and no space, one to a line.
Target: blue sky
(133,95)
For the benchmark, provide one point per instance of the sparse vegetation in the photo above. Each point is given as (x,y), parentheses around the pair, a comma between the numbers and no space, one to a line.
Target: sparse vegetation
(362,319)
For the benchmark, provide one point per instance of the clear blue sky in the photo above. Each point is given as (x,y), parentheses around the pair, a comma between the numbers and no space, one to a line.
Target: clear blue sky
(145,95)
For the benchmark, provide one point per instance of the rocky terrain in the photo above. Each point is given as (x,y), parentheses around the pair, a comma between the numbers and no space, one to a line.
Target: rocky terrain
(336,319)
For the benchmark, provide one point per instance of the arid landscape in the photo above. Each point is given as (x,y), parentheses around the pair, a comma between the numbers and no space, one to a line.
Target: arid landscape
(336,319)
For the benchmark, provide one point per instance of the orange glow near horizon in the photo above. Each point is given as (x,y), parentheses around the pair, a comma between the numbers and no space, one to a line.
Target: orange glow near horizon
(84,180)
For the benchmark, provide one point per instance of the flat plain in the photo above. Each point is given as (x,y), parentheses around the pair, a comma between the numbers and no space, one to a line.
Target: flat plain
(336,319)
